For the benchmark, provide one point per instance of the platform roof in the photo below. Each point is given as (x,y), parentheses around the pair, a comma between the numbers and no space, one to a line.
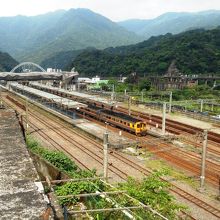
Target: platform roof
(34,76)
(79,94)
(53,98)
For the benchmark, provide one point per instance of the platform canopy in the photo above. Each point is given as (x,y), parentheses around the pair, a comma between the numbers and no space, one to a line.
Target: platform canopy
(35,76)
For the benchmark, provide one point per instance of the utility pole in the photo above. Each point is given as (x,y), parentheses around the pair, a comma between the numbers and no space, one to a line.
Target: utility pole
(142,96)
(129,105)
(27,117)
(125,95)
(212,107)
(201,105)
(105,150)
(204,150)
(120,140)
(164,119)
(170,103)
(113,92)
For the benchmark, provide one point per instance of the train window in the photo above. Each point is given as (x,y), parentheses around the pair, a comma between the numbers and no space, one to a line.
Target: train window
(138,126)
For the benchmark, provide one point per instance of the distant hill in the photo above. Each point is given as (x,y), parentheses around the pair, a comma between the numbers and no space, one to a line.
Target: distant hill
(61,60)
(7,63)
(195,52)
(173,22)
(40,37)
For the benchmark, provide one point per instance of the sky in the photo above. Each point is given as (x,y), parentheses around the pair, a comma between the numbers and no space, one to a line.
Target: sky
(116,10)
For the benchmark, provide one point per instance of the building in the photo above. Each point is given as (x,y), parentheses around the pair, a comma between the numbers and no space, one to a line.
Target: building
(173,79)
(94,83)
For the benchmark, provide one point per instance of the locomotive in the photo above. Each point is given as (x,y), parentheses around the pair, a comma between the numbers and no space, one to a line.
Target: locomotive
(116,119)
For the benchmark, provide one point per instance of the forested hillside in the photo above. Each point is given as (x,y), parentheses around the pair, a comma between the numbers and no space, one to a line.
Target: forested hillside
(61,60)
(195,52)
(40,37)
(7,63)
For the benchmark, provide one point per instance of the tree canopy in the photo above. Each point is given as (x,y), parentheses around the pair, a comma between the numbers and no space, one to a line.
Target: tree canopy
(195,52)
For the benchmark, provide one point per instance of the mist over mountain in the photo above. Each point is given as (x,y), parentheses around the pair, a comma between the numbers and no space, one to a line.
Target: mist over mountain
(7,63)
(39,37)
(173,22)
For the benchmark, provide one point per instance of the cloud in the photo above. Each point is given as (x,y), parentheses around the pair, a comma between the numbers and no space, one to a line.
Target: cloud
(113,9)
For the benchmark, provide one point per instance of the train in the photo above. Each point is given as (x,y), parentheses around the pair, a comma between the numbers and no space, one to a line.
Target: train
(116,119)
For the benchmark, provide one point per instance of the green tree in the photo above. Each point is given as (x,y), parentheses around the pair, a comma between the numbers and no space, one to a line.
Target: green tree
(144,84)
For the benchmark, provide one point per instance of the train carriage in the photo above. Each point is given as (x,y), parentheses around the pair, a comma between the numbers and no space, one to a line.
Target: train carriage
(120,120)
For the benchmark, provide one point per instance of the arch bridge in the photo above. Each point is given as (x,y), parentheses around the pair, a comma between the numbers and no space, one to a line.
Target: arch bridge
(27,63)
(29,75)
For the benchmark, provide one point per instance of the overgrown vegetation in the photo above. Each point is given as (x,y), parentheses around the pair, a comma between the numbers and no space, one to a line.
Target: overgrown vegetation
(150,191)
(197,92)
(195,52)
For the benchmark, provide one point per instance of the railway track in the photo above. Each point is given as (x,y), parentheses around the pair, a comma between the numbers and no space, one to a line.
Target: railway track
(183,159)
(209,208)
(191,166)
(174,127)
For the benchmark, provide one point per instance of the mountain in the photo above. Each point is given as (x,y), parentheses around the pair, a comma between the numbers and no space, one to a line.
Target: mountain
(7,63)
(40,37)
(61,60)
(173,22)
(195,52)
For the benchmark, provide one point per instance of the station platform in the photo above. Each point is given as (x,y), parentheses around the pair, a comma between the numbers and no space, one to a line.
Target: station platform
(116,139)
(20,194)
(74,93)
(47,96)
